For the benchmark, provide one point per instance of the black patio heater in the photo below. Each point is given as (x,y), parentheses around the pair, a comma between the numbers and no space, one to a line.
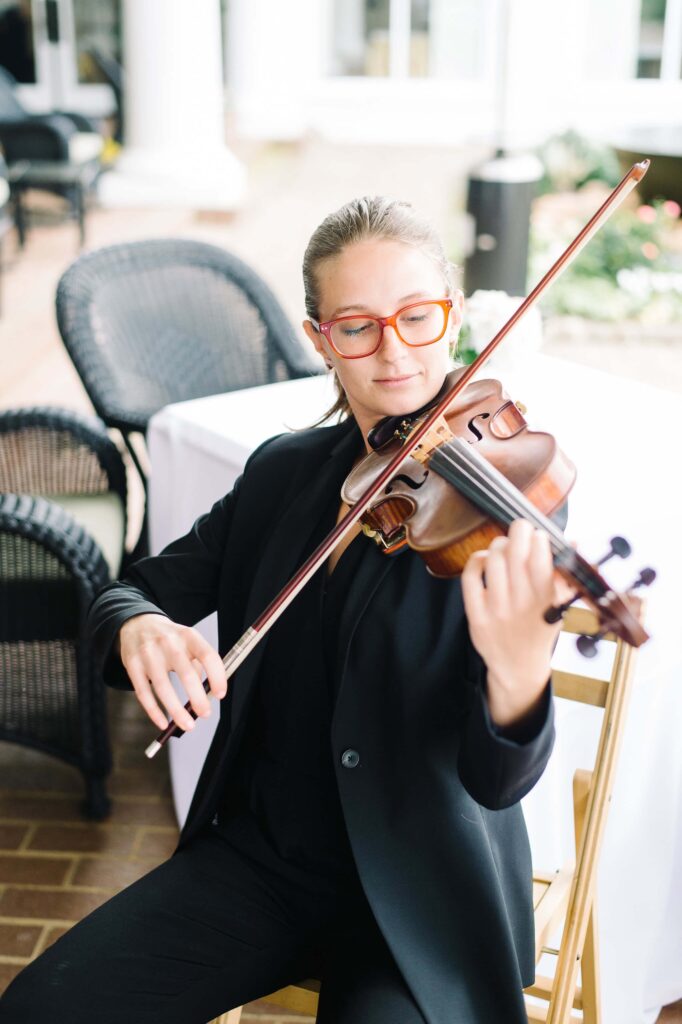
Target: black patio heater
(499,196)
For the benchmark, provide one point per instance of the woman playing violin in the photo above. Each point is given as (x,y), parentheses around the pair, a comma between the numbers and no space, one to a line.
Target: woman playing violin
(357,818)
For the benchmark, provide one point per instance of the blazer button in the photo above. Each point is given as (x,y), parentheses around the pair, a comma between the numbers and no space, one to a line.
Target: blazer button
(350,759)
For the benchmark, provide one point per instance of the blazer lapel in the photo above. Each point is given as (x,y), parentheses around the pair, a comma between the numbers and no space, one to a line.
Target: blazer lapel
(374,568)
(283,552)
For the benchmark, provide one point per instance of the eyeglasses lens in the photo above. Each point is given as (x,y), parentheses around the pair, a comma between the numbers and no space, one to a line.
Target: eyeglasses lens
(417,325)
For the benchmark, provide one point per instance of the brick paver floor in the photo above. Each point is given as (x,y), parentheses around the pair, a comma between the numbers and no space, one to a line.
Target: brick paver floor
(55,867)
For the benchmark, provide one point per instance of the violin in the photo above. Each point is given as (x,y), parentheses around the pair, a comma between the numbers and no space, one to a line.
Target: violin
(449,478)
(476,470)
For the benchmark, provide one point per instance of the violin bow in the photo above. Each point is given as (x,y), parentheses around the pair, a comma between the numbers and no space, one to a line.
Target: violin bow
(260,627)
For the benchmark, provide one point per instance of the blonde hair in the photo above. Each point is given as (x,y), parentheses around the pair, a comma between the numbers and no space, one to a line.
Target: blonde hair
(369,217)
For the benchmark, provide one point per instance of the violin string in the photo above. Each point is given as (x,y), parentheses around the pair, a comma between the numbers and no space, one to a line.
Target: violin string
(482,477)
(500,501)
(515,505)
(477,472)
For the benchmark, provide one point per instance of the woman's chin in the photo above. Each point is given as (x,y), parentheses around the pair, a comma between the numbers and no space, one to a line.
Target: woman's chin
(399,398)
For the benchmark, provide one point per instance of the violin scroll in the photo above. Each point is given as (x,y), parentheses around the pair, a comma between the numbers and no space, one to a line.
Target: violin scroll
(617,613)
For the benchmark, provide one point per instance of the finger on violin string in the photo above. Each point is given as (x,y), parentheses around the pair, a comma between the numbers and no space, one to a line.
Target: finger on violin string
(520,532)
(473,587)
(540,563)
(499,543)
(565,592)
(520,538)
(497,577)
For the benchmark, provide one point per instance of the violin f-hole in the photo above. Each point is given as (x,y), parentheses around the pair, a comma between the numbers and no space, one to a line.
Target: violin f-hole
(413,484)
(474,429)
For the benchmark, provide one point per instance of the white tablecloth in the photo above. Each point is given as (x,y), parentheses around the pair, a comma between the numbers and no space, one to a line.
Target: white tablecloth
(620,434)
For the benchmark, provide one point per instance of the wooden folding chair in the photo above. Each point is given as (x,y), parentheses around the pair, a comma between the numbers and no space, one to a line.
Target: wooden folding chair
(566,896)
(569,894)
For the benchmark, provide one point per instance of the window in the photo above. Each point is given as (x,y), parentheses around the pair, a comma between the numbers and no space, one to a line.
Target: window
(16,40)
(97,29)
(409,38)
(659,51)
(650,49)
(360,38)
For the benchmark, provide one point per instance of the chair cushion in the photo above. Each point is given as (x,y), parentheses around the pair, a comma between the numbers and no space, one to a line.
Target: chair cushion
(102,515)
(84,146)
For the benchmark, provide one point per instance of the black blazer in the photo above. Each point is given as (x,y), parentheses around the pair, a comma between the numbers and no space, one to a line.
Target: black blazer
(432,806)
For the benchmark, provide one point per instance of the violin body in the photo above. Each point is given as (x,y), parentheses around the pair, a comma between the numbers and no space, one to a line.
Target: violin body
(421,508)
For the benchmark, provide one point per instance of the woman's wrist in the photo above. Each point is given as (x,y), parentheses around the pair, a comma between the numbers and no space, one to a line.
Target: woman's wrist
(510,703)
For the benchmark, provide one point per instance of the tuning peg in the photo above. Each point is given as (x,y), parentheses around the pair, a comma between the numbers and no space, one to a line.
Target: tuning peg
(619,546)
(557,611)
(588,645)
(645,579)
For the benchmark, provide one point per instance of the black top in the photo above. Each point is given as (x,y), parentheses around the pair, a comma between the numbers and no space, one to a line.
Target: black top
(280,804)
(431,804)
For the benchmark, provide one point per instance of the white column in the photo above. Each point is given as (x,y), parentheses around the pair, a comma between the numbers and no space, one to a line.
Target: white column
(275,54)
(542,60)
(175,152)
(611,40)
(399,35)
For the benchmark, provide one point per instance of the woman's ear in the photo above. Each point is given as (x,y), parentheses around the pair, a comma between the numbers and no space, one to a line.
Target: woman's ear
(317,339)
(456,314)
(458,306)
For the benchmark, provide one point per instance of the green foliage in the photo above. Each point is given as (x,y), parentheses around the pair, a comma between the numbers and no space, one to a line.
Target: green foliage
(570,161)
(591,286)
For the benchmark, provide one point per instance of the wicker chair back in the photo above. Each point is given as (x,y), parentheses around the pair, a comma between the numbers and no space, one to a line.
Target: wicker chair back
(50,451)
(52,563)
(160,321)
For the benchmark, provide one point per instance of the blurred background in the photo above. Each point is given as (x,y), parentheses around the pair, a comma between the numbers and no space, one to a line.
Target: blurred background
(244,123)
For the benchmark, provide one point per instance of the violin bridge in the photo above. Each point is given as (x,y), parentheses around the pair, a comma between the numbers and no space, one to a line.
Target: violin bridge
(437,435)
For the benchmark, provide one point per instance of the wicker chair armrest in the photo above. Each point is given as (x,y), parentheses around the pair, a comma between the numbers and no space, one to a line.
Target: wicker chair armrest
(300,364)
(49,525)
(87,430)
(36,138)
(81,122)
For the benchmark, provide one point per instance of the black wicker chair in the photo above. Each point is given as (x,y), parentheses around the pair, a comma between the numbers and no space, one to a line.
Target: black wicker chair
(160,321)
(50,570)
(27,136)
(57,152)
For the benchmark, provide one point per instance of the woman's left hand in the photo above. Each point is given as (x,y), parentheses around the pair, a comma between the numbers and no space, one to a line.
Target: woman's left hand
(505,616)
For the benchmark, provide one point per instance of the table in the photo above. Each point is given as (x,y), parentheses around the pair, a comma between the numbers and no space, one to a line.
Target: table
(611,428)
(72,180)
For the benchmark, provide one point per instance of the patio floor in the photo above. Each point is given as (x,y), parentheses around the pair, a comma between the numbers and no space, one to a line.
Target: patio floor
(54,867)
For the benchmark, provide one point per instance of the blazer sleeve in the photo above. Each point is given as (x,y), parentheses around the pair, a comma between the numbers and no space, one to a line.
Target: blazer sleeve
(499,766)
(181,582)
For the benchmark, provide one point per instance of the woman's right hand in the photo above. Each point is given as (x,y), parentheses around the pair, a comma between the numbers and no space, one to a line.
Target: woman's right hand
(151,646)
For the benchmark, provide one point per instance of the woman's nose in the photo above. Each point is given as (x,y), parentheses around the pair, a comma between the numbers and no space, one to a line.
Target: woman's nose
(390,342)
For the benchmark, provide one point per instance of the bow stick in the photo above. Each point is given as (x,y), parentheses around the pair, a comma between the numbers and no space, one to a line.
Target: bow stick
(255,633)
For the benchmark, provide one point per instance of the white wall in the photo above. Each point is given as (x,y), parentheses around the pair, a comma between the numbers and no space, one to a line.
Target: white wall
(569,65)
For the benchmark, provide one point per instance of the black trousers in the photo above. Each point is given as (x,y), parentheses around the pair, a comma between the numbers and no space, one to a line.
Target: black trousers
(208,931)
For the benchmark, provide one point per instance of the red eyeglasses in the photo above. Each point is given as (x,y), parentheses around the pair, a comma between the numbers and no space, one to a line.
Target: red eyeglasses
(420,323)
